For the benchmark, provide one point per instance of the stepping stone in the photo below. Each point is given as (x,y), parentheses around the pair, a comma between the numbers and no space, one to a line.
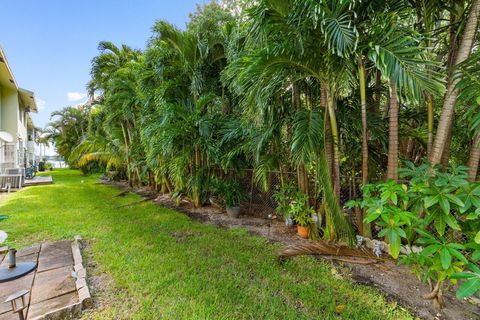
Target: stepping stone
(53,262)
(54,249)
(8,316)
(47,306)
(53,283)
(28,251)
(56,291)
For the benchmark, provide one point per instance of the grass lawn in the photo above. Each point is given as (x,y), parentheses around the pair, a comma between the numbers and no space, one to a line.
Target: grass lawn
(164,265)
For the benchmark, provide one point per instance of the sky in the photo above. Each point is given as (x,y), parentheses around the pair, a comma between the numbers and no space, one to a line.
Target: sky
(49,44)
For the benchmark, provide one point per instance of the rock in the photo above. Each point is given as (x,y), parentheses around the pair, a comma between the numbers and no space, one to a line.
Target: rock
(82,273)
(368,243)
(85,297)
(80,283)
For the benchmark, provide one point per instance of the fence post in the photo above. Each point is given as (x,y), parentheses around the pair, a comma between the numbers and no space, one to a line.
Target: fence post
(251,192)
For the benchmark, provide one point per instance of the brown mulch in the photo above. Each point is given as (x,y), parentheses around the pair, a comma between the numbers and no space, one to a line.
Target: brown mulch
(398,283)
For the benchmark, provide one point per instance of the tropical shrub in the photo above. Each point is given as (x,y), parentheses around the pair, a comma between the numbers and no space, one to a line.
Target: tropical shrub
(438,211)
(300,210)
(284,196)
(229,192)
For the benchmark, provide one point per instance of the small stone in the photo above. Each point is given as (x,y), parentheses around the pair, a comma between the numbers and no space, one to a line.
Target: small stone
(417,249)
(368,243)
(377,248)
(85,297)
(386,248)
(82,273)
(77,258)
(80,283)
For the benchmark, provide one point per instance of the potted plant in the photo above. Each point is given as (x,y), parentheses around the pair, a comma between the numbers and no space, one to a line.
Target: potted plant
(301,213)
(283,197)
(233,197)
(230,192)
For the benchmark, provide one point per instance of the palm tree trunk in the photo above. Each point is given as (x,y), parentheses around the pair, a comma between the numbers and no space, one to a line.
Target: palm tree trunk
(364,228)
(463,52)
(474,158)
(302,177)
(336,151)
(127,158)
(392,167)
(327,131)
(378,93)
(446,148)
(429,99)
(363,100)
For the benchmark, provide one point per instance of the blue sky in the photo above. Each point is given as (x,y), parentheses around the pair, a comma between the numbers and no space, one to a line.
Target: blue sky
(49,43)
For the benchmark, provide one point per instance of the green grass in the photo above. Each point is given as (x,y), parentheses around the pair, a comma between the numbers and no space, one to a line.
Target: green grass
(164,265)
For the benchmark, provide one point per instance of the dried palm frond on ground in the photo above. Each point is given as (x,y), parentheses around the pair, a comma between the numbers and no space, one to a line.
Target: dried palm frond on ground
(337,251)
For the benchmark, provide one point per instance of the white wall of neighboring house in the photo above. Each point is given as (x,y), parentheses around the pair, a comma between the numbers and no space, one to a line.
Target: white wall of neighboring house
(9,123)
(16,127)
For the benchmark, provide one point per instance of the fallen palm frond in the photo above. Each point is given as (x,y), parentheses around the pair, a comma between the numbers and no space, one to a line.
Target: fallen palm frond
(137,202)
(337,250)
(122,194)
(356,261)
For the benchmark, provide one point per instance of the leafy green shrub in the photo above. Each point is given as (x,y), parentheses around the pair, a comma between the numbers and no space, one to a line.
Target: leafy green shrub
(229,192)
(300,210)
(284,196)
(437,210)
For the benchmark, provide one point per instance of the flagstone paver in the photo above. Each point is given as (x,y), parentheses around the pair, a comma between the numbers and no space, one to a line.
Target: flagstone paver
(57,287)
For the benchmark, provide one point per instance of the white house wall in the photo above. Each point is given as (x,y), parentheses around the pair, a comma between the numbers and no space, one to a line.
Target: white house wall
(10,111)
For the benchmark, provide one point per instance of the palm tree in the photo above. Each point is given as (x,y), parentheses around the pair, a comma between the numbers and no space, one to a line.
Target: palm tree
(468,87)
(280,65)
(114,77)
(188,104)
(463,52)
(392,167)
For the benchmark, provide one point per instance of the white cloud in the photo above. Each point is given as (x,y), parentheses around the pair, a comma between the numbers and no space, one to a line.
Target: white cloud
(75,96)
(40,103)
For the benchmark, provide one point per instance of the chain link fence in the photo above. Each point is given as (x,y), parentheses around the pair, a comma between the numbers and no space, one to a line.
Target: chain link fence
(261,202)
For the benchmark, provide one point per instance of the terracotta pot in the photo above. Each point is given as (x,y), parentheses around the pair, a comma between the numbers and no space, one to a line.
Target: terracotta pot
(303,231)
(233,212)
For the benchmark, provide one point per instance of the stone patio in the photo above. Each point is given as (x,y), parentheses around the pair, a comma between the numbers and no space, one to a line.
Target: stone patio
(58,287)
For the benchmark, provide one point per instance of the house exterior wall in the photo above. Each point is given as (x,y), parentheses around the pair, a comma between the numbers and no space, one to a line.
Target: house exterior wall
(10,106)
(13,120)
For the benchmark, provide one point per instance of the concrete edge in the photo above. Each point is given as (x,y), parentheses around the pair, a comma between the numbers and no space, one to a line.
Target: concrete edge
(84,296)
